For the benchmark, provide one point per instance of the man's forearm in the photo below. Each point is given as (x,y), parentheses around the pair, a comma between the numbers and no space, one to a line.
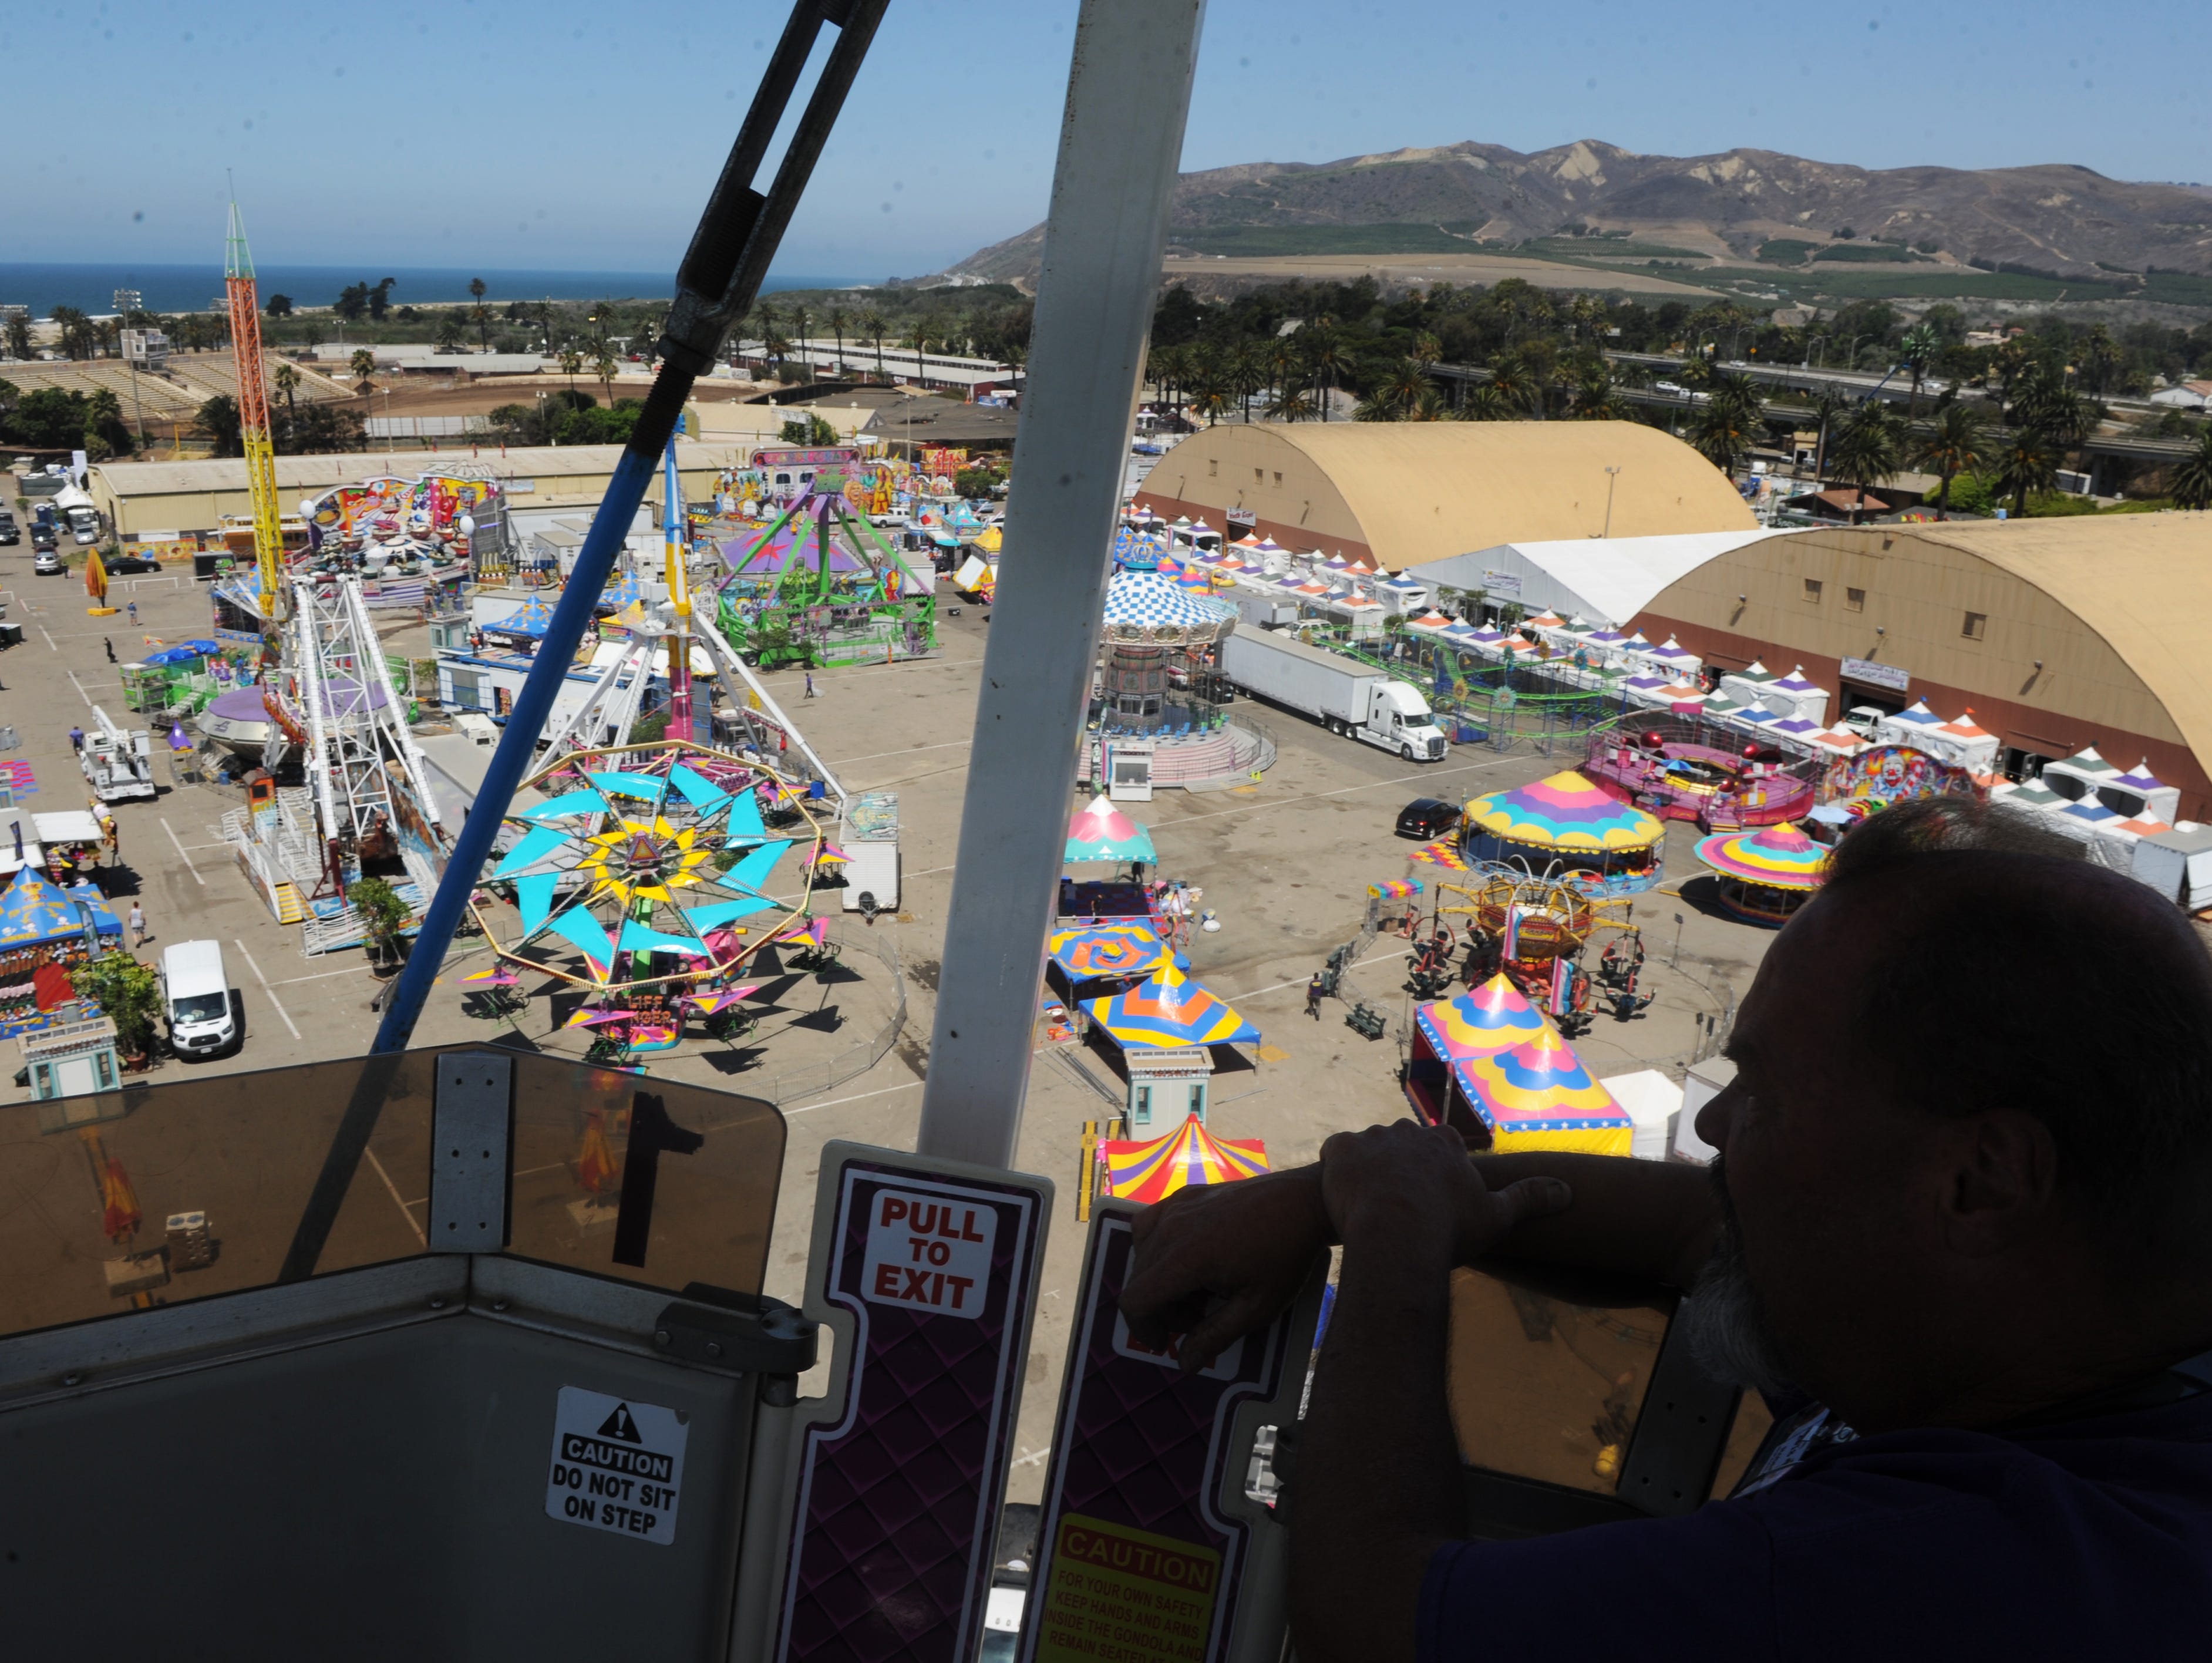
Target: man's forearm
(1374,1491)
(1654,1219)
(1648,1219)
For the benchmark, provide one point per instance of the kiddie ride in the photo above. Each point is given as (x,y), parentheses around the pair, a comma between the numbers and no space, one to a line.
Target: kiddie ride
(1537,930)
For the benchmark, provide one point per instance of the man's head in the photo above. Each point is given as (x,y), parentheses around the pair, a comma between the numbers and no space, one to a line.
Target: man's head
(1967,1156)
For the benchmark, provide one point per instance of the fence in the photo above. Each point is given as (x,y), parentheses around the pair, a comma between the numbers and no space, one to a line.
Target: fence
(797,1085)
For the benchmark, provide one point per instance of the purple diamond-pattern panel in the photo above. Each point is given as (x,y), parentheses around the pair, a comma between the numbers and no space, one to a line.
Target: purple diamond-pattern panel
(1136,1454)
(887,1555)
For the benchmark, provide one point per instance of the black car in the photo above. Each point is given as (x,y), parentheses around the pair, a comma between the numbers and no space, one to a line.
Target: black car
(1427,817)
(123,565)
(11,533)
(42,536)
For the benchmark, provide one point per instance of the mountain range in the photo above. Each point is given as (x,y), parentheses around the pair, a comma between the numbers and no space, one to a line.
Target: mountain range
(1604,202)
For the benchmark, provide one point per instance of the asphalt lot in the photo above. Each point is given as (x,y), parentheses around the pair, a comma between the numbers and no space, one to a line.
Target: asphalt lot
(1285,862)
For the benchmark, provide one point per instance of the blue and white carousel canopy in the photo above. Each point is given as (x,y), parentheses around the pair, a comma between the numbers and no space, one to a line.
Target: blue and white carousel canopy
(1146,599)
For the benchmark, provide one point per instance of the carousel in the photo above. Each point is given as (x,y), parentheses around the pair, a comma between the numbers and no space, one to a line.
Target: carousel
(1565,828)
(644,882)
(1148,724)
(1765,875)
(1534,931)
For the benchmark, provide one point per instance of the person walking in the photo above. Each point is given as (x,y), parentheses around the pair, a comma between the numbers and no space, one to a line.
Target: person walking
(137,924)
(1313,997)
(109,645)
(76,738)
(810,683)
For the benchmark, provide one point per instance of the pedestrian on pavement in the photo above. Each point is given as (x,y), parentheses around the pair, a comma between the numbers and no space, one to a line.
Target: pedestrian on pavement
(132,607)
(137,924)
(109,645)
(76,738)
(1313,997)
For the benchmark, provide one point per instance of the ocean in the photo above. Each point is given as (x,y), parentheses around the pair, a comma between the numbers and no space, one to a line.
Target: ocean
(91,287)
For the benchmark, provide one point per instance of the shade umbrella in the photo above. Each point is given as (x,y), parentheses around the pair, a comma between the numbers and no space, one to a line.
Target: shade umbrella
(1103,832)
(1149,1172)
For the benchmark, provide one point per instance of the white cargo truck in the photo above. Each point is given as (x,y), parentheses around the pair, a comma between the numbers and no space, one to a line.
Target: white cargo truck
(1341,694)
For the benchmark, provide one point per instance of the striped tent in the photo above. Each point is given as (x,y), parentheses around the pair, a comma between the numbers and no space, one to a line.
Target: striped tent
(1168,1010)
(1102,832)
(1189,1155)
(1566,811)
(1517,1076)
(1108,949)
(1779,857)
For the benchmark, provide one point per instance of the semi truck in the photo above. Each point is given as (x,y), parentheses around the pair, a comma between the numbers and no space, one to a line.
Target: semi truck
(1341,694)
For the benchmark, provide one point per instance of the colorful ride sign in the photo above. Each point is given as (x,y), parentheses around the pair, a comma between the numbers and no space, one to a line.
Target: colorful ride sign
(927,1272)
(1149,1551)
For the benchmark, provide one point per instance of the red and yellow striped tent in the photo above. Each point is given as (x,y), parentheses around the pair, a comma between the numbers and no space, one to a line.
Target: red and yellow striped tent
(1189,1155)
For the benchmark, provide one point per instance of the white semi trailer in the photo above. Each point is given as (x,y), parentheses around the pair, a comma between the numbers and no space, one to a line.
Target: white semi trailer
(1341,694)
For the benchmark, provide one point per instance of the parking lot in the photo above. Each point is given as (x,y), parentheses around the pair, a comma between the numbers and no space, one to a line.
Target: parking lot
(1284,862)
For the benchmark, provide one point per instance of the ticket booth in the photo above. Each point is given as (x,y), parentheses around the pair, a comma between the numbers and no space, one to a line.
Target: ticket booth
(1167,1086)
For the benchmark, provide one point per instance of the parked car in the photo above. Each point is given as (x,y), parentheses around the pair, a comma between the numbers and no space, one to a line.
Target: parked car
(1427,818)
(10,532)
(45,536)
(49,563)
(123,565)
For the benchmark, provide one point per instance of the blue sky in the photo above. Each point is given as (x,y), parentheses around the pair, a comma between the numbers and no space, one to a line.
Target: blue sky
(501,132)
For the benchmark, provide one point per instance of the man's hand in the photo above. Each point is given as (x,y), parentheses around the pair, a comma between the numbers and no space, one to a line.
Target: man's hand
(1248,1246)
(1416,1182)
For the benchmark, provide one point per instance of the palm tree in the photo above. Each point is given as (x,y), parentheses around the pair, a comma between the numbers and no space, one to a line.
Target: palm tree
(76,331)
(872,328)
(447,334)
(1325,355)
(287,381)
(480,313)
(571,362)
(1290,403)
(1721,434)
(1951,446)
(1427,348)
(1401,386)
(2192,479)
(1866,448)
(799,319)
(2028,461)
(1917,352)
(19,336)
(603,366)
(1828,402)
(1430,405)
(1280,355)
(363,364)
(1599,397)
(1488,402)
(839,320)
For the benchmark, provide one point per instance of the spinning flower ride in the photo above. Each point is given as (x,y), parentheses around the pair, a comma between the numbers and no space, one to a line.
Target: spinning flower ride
(647,872)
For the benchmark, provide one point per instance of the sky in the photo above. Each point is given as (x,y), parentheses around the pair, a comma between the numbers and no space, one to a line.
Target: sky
(554,135)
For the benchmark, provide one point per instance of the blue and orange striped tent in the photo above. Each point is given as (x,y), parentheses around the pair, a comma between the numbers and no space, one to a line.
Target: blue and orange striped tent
(1189,1155)
(1168,1010)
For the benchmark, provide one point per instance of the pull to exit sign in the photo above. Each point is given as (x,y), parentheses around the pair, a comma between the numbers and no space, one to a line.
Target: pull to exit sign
(928,1251)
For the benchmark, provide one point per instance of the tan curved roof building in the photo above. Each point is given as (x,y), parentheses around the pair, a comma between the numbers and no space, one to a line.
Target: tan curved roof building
(2057,633)
(1399,493)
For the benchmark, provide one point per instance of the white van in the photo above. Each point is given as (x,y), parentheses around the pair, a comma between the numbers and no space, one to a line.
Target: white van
(196,999)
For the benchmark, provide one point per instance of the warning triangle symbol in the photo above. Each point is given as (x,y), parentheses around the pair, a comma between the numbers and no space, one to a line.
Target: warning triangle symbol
(620,1425)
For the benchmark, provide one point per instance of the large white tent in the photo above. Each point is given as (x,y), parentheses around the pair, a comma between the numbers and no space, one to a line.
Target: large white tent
(1607,580)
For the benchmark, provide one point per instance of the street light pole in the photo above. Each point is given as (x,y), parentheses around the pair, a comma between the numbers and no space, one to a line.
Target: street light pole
(1611,478)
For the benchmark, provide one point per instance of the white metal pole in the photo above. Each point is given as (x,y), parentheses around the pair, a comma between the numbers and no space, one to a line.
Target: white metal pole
(1128,94)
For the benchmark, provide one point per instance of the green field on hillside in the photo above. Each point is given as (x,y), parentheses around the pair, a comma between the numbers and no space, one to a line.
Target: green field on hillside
(1601,249)
(1784,251)
(1279,241)
(1969,285)
(1867,253)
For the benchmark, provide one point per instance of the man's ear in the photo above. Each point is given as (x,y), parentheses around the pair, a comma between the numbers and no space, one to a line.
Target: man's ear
(2004,1175)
